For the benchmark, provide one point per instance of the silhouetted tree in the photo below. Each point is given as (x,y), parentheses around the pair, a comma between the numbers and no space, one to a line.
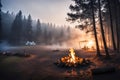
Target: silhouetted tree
(113,8)
(38,30)
(94,28)
(16,30)
(116,22)
(24,29)
(45,35)
(28,30)
(111,24)
(119,22)
(102,30)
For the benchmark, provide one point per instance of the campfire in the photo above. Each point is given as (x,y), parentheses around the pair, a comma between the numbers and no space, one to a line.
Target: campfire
(72,60)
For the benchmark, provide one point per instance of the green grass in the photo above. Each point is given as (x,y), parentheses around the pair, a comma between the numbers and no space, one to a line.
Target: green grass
(9,63)
(8,67)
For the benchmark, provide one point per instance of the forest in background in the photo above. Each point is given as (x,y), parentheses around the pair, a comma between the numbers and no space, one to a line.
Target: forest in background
(18,29)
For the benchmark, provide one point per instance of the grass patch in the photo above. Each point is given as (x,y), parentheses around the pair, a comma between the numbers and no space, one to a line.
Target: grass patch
(9,67)
(11,59)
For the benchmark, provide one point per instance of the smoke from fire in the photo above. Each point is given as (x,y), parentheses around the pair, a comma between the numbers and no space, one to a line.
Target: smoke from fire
(77,39)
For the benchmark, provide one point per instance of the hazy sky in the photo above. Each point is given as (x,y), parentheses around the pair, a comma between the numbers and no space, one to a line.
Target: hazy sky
(54,11)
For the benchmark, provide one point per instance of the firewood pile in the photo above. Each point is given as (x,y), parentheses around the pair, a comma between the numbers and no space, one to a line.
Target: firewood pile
(72,60)
(84,63)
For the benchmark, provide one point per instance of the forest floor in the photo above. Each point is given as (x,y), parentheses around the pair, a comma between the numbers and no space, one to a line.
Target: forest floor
(40,65)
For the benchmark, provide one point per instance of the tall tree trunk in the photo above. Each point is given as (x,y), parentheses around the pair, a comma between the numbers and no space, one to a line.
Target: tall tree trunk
(116,22)
(102,30)
(111,25)
(119,24)
(0,22)
(95,32)
(109,40)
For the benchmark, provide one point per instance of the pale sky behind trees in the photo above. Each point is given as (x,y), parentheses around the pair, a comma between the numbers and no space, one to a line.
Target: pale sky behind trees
(53,11)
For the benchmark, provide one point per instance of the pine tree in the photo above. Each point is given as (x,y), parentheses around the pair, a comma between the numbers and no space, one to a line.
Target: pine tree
(94,28)
(116,22)
(16,30)
(102,30)
(28,30)
(24,28)
(45,35)
(38,30)
(111,24)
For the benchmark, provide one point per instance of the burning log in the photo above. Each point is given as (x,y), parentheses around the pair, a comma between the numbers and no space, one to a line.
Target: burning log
(72,60)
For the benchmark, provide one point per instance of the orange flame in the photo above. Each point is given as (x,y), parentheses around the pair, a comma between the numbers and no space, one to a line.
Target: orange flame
(72,59)
(72,55)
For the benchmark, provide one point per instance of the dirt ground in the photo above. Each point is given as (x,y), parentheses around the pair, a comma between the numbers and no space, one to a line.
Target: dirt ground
(40,65)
